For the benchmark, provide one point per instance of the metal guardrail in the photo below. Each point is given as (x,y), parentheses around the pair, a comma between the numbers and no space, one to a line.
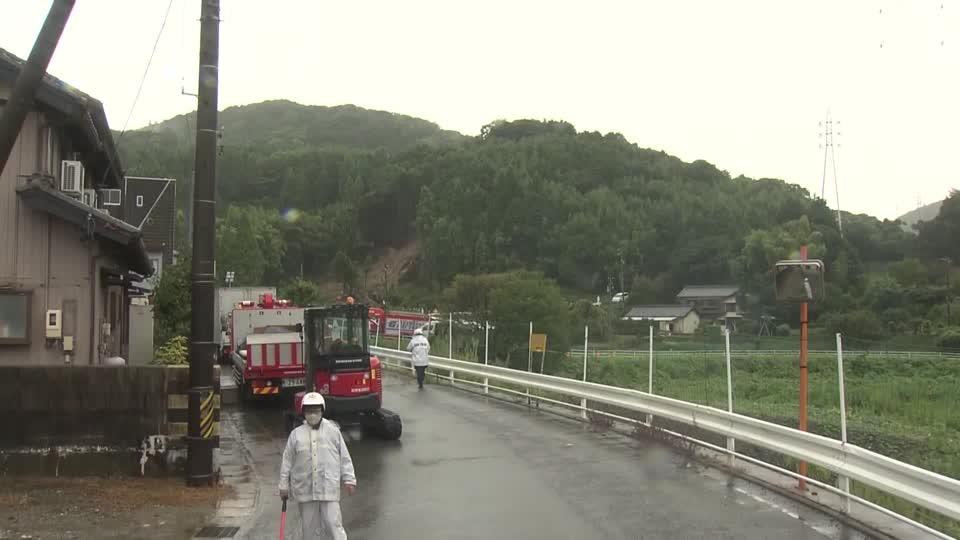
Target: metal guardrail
(925,488)
(904,355)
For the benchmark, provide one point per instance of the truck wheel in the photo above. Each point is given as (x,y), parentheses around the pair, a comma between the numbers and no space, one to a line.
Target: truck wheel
(389,425)
(246,393)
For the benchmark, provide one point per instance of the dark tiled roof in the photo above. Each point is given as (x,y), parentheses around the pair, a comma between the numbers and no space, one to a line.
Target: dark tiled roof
(708,291)
(656,311)
(84,116)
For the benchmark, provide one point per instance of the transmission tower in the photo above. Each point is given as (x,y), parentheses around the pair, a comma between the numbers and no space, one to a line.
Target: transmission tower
(827,135)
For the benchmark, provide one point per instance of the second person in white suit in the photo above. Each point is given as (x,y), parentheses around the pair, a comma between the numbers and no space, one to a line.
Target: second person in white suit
(419,349)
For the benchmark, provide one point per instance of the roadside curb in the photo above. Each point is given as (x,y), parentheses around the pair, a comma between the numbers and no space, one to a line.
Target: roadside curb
(236,472)
(229,393)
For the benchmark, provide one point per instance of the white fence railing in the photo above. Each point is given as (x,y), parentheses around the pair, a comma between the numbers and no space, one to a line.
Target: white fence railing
(785,353)
(922,487)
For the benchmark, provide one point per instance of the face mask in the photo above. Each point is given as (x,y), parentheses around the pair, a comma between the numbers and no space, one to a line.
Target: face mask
(313,418)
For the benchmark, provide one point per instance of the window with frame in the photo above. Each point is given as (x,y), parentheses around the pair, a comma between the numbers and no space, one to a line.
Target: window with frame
(15,317)
(156,261)
(339,336)
(139,201)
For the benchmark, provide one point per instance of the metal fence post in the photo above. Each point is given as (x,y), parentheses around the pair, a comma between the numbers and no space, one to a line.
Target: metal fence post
(586,340)
(529,358)
(731,443)
(650,375)
(486,357)
(399,338)
(844,482)
(450,346)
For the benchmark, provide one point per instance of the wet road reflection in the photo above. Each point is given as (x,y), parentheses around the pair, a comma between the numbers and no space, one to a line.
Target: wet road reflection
(470,467)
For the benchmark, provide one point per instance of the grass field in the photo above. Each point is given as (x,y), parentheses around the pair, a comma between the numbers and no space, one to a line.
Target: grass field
(819,340)
(904,407)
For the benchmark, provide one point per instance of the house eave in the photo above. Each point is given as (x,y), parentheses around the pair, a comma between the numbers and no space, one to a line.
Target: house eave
(121,235)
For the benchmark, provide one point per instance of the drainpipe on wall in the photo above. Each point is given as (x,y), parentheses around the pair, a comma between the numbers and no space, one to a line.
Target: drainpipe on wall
(93,305)
(46,292)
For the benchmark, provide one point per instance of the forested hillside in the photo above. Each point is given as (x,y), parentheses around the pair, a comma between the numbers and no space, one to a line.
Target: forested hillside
(923,213)
(323,190)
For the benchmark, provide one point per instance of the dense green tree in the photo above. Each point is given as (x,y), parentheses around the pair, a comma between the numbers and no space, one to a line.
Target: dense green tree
(302,293)
(302,190)
(644,290)
(859,324)
(763,248)
(600,318)
(345,270)
(910,273)
(938,237)
(171,302)
(511,301)
(522,298)
(250,245)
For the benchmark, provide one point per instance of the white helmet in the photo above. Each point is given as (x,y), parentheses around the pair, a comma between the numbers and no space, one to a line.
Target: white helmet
(418,332)
(313,398)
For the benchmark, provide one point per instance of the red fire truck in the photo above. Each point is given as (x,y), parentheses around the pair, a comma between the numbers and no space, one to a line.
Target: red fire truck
(385,323)
(266,347)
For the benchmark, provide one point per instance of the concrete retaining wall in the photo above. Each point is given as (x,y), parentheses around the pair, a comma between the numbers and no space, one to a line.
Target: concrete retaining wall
(81,410)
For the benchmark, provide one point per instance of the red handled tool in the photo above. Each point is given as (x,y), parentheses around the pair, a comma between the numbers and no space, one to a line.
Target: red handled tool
(283,517)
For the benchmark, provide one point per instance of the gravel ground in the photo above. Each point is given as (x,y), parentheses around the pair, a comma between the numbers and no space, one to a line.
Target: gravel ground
(42,508)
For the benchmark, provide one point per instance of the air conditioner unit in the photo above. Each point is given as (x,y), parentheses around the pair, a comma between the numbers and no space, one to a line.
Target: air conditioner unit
(110,197)
(90,197)
(71,177)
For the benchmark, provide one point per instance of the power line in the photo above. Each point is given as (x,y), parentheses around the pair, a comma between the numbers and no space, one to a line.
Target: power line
(145,71)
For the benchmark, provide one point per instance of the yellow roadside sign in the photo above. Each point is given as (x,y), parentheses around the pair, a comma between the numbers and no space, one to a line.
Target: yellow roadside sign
(538,342)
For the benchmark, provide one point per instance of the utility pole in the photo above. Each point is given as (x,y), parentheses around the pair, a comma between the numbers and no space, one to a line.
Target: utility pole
(620,255)
(828,149)
(386,282)
(21,99)
(202,347)
(949,263)
(804,371)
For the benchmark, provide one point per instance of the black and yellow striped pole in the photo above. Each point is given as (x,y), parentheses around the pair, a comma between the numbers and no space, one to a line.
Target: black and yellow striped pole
(178,415)
(206,416)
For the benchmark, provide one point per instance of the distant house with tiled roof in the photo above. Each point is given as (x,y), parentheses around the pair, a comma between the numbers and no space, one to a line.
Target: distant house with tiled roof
(670,319)
(713,302)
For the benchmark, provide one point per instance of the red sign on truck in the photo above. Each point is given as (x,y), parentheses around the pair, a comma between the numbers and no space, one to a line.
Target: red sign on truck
(390,323)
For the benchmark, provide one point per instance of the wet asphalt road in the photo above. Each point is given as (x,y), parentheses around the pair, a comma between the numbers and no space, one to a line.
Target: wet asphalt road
(473,467)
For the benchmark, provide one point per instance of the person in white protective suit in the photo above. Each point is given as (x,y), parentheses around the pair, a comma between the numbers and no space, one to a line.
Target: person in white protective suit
(419,349)
(315,462)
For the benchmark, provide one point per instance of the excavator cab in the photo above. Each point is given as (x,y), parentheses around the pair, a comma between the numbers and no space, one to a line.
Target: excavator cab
(338,365)
(337,340)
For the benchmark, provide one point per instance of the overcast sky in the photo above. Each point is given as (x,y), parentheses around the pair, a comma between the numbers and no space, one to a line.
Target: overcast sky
(741,84)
